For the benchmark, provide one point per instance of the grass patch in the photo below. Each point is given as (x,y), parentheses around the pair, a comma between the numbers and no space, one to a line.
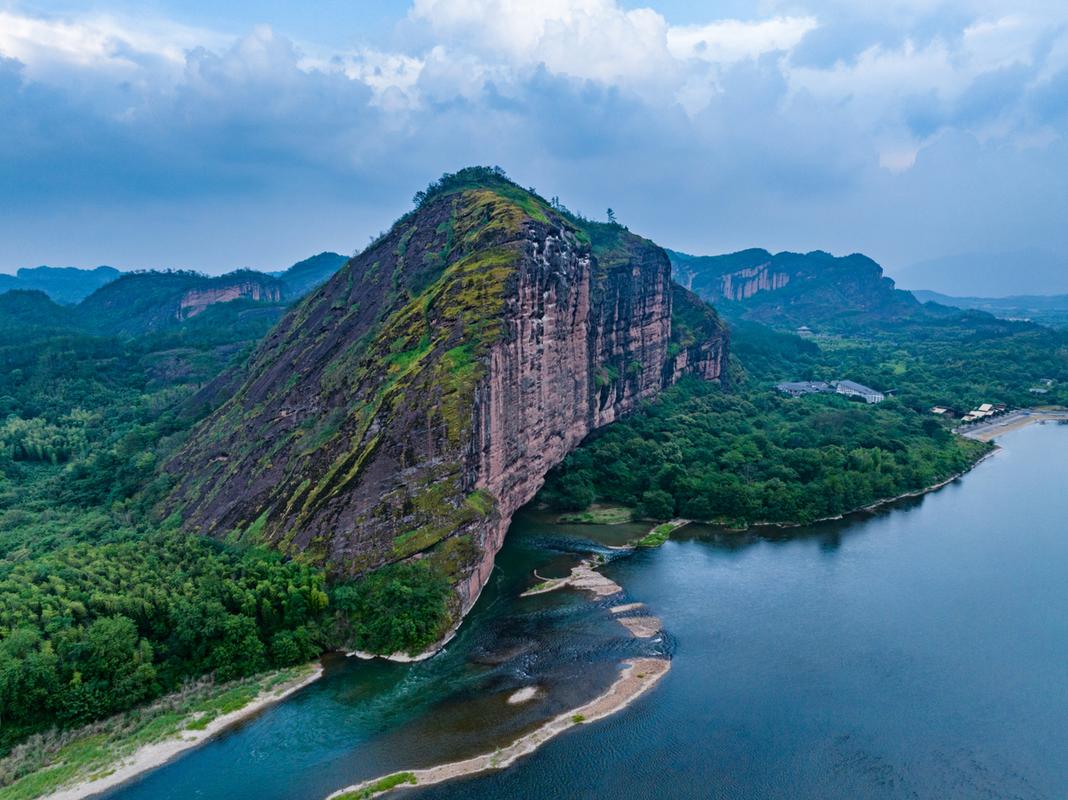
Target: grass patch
(657,536)
(578,719)
(604,515)
(380,786)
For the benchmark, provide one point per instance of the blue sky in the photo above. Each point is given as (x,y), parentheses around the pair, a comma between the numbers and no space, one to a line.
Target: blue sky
(217,135)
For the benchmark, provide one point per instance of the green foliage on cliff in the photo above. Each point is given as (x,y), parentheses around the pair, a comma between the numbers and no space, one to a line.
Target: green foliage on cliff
(492,179)
(391,359)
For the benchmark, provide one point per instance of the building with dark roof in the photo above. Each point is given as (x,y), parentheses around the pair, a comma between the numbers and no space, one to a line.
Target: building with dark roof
(798,388)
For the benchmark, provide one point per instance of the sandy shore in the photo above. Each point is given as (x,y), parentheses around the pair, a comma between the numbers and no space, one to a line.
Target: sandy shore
(640,625)
(637,677)
(1015,421)
(583,577)
(159,753)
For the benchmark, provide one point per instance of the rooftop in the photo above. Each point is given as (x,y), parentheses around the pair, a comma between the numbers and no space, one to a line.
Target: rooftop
(860,388)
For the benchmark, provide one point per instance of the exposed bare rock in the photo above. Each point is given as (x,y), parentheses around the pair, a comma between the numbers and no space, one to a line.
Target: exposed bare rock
(407,408)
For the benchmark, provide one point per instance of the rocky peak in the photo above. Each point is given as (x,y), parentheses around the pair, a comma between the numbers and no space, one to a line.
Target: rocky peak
(408,407)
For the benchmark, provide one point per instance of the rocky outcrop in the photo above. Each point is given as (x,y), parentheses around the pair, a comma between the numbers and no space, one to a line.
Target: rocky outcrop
(197,300)
(583,346)
(790,289)
(408,407)
(141,302)
(748,281)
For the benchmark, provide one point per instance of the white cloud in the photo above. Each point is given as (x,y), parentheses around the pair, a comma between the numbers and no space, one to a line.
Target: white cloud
(52,46)
(792,108)
(732,40)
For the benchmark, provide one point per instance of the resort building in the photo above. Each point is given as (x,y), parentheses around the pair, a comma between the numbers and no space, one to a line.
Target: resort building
(984,411)
(798,388)
(854,389)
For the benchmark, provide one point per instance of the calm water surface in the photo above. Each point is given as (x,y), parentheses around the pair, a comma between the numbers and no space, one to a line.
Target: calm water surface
(918,653)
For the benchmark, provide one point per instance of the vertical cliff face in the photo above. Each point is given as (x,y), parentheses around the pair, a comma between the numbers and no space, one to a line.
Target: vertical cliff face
(744,283)
(195,301)
(408,407)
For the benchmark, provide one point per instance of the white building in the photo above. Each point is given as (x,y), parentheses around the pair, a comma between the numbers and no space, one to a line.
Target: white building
(853,389)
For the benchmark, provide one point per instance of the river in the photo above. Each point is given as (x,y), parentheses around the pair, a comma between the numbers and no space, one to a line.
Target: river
(919,652)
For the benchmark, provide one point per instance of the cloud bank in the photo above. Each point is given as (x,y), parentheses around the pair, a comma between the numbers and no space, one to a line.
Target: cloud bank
(923,130)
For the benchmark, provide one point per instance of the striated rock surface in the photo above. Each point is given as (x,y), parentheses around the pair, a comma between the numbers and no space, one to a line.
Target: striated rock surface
(746,282)
(408,407)
(195,301)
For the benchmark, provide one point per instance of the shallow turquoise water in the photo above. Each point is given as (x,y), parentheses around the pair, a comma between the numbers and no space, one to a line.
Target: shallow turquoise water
(918,653)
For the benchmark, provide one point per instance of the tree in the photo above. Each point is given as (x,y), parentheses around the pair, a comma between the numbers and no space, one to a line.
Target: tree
(657,504)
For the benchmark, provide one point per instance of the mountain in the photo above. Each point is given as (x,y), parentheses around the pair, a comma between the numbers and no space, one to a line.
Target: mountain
(309,274)
(408,407)
(1030,271)
(792,289)
(72,285)
(1049,310)
(27,315)
(66,285)
(140,302)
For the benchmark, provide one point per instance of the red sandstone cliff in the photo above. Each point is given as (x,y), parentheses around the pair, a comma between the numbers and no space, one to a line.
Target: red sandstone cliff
(411,405)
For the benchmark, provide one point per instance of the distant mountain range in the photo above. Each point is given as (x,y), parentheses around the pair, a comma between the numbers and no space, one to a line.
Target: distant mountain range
(786,289)
(1051,310)
(67,285)
(1030,271)
(105,300)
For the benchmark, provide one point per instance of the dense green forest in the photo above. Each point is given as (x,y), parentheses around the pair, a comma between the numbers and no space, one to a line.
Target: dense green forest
(750,455)
(104,606)
(962,360)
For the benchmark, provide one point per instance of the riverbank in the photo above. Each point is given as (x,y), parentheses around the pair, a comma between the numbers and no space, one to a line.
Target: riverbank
(662,532)
(879,504)
(636,678)
(599,514)
(102,756)
(1014,421)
